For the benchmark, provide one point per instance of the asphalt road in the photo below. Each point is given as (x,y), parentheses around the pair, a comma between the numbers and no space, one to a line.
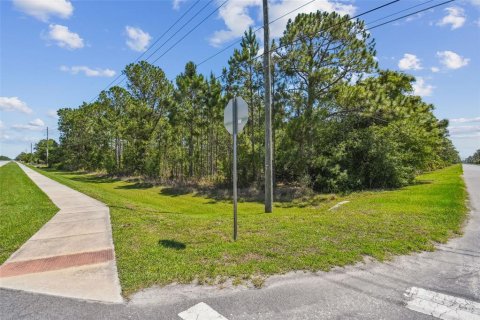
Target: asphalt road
(366,291)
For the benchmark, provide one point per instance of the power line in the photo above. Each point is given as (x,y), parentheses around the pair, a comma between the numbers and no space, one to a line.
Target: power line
(409,8)
(349,19)
(258,29)
(261,55)
(180,29)
(354,17)
(176,43)
(387,22)
(190,31)
(202,21)
(288,13)
(410,14)
(159,38)
(382,24)
(170,28)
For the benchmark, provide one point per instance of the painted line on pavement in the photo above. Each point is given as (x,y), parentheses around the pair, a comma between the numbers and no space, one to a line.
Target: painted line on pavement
(201,311)
(442,306)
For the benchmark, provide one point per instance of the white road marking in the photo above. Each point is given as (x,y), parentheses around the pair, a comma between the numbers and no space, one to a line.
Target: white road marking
(201,311)
(338,205)
(442,306)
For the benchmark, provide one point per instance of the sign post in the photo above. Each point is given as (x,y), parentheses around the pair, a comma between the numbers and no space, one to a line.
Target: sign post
(234,118)
(234,171)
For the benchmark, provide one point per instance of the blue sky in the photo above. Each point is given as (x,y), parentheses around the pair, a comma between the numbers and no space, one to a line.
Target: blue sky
(58,53)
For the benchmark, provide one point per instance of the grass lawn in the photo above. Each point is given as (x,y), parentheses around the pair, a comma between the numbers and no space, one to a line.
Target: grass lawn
(24,209)
(161,237)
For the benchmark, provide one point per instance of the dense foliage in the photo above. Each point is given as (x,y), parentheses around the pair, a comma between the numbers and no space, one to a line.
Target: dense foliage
(474,158)
(339,123)
(39,155)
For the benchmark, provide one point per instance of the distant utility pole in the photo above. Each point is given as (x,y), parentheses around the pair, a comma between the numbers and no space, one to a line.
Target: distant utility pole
(268,110)
(31,152)
(47,146)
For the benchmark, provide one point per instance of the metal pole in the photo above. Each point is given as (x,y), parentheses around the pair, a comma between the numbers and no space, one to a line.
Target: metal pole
(235,130)
(47,146)
(268,110)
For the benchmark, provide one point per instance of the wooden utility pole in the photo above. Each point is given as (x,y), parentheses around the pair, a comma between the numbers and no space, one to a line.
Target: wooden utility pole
(268,110)
(47,146)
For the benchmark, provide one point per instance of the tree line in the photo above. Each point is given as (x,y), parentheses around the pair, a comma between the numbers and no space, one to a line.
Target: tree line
(339,122)
(474,158)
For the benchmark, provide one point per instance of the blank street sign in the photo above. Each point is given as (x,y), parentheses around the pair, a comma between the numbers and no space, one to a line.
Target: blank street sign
(235,111)
(242,114)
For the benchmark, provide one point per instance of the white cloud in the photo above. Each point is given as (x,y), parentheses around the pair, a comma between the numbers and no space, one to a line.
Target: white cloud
(278,9)
(421,88)
(237,16)
(468,136)
(52,114)
(34,125)
(464,120)
(452,60)
(13,104)
(37,123)
(415,17)
(64,38)
(177,3)
(475,2)
(464,130)
(409,62)
(89,72)
(435,69)
(455,17)
(43,9)
(137,39)
(4,136)
(15,139)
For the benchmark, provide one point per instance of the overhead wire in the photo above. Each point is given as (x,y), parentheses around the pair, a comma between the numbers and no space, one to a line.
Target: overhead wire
(284,15)
(184,25)
(255,31)
(354,17)
(410,14)
(161,37)
(376,26)
(190,31)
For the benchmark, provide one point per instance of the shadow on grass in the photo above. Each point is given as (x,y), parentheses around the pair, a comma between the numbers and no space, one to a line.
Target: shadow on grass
(94,179)
(172,244)
(419,182)
(175,191)
(136,186)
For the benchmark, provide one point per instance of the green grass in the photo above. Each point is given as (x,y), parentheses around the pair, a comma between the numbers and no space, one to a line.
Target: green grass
(24,209)
(161,238)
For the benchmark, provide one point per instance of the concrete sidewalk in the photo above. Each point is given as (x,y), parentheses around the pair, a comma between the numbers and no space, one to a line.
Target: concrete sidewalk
(72,255)
(3,162)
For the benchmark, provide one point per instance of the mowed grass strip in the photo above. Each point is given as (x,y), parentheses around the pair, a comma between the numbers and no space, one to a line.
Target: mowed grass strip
(163,237)
(24,209)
